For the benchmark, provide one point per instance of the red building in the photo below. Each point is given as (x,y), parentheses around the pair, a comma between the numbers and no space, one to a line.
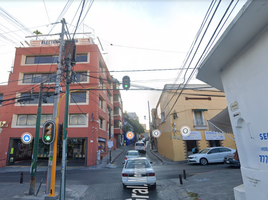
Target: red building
(92,92)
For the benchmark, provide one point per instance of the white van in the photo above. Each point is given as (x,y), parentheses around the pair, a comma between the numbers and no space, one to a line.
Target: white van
(140,146)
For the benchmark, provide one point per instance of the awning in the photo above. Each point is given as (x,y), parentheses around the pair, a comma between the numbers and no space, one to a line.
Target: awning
(221,122)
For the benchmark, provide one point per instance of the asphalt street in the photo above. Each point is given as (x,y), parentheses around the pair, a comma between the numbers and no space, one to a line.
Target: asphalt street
(105,183)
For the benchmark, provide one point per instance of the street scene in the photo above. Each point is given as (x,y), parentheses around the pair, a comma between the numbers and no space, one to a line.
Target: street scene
(104,180)
(133,100)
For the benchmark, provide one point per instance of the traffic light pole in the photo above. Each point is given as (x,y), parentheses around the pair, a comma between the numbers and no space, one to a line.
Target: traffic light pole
(36,143)
(54,115)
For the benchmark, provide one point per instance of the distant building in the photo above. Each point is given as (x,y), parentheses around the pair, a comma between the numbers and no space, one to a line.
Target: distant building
(196,105)
(133,115)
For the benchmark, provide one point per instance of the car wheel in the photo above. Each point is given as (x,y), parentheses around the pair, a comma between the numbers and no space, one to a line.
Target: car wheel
(124,186)
(153,186)
(203,161)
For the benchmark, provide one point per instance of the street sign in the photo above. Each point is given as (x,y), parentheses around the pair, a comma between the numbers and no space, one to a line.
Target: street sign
(110,144)
(26,138)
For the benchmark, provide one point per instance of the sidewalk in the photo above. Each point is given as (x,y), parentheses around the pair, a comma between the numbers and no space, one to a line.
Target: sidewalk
(73,192)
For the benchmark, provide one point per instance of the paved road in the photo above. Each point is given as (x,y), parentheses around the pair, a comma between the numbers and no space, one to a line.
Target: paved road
(104,184)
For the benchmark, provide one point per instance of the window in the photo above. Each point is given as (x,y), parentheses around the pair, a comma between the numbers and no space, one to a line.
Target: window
(100,65)
(78,77)
(41,59)
(38,78)
(101,102)
(100,83)
(101,123)
(163,116)
(117,98)
(213,151)
(78,119)
(1,98)
(109,95)
(117,111)
(199,119)
(117,124)
(78,97)
(81,58)
(102,145)
(28,98)
(30,120)
(224,149)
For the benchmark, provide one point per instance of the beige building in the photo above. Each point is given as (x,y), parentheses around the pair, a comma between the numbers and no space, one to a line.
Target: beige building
(192,107)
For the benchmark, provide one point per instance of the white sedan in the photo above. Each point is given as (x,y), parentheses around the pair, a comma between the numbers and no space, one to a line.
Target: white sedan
(210,155)
(138,172)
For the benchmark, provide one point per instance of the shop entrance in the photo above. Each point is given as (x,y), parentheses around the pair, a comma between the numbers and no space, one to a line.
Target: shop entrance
(190,144)
(21,154)
(214,143)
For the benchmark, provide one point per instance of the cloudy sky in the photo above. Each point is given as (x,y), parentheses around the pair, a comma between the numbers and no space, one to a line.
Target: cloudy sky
(135,35)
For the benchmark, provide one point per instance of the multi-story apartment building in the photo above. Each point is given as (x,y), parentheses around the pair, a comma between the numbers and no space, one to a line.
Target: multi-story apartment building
(92,94)
(193,108)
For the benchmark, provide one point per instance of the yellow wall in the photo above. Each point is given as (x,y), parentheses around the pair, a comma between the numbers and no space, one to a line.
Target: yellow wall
(175,148)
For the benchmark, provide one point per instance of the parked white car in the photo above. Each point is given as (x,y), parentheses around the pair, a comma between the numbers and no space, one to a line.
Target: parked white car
(138,172)
(210,155)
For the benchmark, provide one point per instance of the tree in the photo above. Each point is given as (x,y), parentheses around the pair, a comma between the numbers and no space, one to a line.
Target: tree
(36,32)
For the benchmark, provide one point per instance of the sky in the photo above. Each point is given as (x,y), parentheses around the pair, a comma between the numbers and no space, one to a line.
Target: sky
(134,34)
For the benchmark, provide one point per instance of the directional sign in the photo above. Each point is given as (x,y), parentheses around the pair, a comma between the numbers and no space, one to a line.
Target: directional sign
(26,138)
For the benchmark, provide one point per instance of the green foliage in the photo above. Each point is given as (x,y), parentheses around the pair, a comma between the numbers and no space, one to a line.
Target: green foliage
(137,126)
(36,32)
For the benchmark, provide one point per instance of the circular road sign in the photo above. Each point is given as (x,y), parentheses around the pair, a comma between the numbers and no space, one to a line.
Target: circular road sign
(130,135)
(156,133)
(26,138)
(185,131)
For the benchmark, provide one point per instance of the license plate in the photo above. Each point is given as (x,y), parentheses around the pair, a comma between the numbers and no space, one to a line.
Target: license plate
(227,162)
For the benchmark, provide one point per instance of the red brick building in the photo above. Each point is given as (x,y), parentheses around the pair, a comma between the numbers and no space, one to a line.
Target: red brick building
(88,109)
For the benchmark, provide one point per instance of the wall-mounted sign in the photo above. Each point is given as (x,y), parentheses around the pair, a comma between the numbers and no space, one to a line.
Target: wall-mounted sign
(212,135)
(236,114)
(234,106)
(3,124)
(38,43)
(194,135)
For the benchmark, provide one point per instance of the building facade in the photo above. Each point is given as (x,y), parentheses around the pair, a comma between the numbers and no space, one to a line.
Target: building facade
(195,105)
(92,95)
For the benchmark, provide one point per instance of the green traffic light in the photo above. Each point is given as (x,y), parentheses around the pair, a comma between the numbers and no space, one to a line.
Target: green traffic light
(47,138)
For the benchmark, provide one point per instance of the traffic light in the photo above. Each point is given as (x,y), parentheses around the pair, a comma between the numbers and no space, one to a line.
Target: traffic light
(126,82)
(48,132)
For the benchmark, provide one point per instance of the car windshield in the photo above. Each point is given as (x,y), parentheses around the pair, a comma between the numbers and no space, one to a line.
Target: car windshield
(133,153)
(204,151)
(140,163)
(139,144)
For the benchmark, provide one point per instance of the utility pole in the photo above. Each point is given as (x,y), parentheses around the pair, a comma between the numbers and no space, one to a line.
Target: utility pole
(151,139)
(56,101)
(110,156)
(36,142)
(65,132)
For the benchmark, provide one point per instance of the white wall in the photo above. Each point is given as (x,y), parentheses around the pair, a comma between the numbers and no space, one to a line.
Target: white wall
(245,81)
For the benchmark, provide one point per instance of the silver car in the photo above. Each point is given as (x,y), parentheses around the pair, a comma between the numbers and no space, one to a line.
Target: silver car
(140,146)
(138,172)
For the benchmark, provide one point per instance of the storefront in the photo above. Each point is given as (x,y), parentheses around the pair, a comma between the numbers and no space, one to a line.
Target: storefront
(191,140)
(214,138)
(18,151)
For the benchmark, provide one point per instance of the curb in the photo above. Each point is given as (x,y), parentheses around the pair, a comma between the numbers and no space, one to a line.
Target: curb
(158,157)
(117,156)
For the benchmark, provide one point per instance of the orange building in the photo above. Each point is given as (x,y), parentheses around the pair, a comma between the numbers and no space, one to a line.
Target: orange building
(96,91)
